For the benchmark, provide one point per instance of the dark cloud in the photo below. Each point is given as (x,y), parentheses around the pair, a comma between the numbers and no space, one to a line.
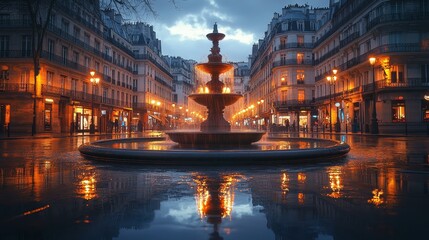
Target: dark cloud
(249,17)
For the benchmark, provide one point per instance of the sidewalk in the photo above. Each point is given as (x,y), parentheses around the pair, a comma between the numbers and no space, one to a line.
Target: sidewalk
(161,133)
(86,134)
(320,133)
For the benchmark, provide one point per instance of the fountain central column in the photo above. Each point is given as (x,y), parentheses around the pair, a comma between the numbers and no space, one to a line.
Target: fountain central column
(215,100)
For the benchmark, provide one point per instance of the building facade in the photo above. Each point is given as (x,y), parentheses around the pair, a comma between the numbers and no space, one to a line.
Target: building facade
(378,51)
(184,84)
(130,76)
(282,78)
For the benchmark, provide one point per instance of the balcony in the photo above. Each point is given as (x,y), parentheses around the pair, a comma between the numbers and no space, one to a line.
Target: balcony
(295,45)
(16,87)
(350,38)
(152,60)
(289,62)
(327,55)
(56,91)
(394,18)
(291,105)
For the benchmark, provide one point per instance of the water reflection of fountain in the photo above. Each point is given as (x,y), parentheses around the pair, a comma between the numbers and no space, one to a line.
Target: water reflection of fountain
(87,185)
(335,182)
(214,198)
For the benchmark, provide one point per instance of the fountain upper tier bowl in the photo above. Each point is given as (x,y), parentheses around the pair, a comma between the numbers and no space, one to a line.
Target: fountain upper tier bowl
(224,99)
(215,67)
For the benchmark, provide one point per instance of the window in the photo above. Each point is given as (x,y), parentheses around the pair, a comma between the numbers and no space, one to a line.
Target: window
(63,83)
(397,74)
(104,95)
(106,70)
(52,19)
(4,19)
(65,25)
(49,78)
(300,77)
(285,26)
(48,116)
(64,54)
(398,111)
(76,32)
(97,44)
(4,46)
(84,89)
(134,84)
(86,38)
(26,46)
(300,41)
(283,59)
(74,86)
(284,96)
(283,79)
(301,26)
(283,42)
(86,61)
(300,58)
(301,95)
(75,57)
(25,76)
(97,66)
(51,49)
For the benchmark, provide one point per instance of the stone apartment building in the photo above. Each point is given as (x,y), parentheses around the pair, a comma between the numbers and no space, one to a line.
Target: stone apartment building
(358,65)
(131,87)
(282,77)
(380,52)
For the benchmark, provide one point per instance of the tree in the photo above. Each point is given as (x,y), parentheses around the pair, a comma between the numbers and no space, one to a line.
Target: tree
(39,23)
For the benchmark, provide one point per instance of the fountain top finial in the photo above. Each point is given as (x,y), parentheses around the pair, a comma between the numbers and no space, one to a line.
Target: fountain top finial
(215,28)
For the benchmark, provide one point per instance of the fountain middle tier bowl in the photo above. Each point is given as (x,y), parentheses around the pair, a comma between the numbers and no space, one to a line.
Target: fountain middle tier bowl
(192,138)
(215,99)
(214,67)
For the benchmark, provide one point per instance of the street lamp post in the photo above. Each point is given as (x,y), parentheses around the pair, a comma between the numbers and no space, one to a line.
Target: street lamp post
(331,81)
(337,124)
(94,81)
(374,121)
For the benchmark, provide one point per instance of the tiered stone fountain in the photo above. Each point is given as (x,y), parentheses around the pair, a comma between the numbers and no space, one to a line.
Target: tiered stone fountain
(215,130)
(215,143)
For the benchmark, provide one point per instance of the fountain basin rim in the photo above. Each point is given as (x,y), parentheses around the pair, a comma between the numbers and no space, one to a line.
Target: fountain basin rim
(95,151)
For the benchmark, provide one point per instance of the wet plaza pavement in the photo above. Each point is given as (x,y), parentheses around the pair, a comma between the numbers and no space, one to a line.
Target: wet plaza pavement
(379,191)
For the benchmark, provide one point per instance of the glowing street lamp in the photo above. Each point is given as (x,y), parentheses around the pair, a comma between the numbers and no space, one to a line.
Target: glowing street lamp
(374,121)
(331,81)
(94,81)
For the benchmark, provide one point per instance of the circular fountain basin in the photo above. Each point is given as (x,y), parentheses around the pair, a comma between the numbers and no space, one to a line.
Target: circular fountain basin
(157,151)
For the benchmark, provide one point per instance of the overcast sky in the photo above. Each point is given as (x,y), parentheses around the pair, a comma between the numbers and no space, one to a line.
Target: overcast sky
(182,27)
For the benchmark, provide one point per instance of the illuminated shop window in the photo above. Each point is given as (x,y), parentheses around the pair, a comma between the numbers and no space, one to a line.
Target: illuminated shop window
(398,111)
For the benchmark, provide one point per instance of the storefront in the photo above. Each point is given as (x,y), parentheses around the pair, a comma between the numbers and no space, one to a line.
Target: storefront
(82,118)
